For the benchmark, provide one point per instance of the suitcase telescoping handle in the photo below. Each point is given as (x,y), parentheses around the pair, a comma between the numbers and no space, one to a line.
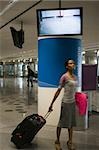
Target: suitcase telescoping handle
(47,114)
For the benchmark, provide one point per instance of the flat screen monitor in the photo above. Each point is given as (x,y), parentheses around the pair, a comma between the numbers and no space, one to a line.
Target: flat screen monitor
(64,21)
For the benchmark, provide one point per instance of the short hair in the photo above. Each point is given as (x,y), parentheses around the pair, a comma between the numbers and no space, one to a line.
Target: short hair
(66,62)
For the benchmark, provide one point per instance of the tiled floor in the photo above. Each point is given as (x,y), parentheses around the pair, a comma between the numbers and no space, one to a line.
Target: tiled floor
(18,101)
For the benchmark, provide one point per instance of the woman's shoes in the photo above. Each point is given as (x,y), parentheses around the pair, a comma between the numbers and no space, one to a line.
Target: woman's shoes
(57,145)
(70,146)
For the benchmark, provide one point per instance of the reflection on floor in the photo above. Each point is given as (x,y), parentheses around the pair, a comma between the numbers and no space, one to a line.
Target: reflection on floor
(18,101)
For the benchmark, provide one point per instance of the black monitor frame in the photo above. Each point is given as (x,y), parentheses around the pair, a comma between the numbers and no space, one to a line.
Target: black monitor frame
(81,22)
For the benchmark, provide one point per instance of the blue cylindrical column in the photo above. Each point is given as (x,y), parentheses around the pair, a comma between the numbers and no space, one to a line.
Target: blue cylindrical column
(52,54)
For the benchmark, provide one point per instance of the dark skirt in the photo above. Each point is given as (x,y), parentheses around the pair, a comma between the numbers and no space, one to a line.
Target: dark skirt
(67,115)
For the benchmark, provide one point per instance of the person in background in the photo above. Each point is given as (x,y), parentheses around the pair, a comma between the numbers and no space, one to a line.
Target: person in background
(30,76)
(67,119)
(23,70)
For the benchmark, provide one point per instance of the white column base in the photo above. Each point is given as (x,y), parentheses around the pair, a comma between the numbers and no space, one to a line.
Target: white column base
(45,96)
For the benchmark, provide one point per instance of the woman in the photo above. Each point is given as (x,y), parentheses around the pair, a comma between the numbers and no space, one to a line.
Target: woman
(67,116)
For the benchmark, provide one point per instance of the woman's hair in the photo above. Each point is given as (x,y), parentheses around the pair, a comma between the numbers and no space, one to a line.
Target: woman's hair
(66,62)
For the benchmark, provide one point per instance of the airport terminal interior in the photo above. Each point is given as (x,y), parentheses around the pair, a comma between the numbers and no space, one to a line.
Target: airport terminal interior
(17,99)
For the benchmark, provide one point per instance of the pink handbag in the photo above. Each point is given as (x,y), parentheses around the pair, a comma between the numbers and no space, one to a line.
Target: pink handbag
(81,102)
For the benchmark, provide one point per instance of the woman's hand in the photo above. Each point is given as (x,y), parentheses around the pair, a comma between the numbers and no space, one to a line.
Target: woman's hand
(50,108)
(55,97)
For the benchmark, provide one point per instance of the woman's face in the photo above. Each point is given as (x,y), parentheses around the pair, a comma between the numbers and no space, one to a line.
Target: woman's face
(71,65)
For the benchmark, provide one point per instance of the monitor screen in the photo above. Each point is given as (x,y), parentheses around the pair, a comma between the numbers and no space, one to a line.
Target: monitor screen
(64,21)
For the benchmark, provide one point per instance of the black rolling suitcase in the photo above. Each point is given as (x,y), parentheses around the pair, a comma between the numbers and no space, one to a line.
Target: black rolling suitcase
(27,129)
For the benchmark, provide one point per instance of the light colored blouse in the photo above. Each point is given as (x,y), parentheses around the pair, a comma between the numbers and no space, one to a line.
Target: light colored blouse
(69,86)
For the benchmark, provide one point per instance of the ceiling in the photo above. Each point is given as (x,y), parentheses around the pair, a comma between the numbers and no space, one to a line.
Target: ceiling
(10,9)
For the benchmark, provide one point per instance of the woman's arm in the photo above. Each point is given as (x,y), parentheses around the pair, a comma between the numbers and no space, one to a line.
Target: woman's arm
(61,85)
(55,97)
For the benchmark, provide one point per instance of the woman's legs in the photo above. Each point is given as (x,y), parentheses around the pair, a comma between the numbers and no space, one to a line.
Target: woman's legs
(69,142)
(58,132)
(70,134)
(57,142)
